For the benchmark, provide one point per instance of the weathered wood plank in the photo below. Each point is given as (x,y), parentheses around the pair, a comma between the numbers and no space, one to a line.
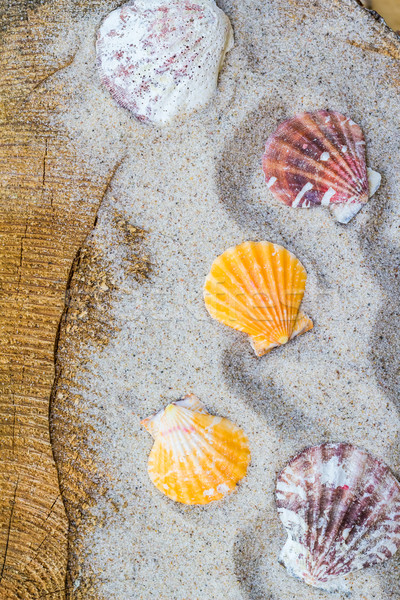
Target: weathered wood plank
(41,228)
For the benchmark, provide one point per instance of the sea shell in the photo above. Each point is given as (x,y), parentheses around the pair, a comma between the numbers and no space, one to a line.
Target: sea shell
(319,158)
(257,287)
(196,457)
(158,58)
(341,509)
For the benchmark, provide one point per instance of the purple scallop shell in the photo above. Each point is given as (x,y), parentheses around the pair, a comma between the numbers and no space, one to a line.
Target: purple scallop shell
(341,509)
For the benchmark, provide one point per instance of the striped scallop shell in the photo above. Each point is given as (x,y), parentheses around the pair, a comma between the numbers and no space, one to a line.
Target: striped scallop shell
(319,159)
(341,509)
(159,58)
(257,288)
(196,457)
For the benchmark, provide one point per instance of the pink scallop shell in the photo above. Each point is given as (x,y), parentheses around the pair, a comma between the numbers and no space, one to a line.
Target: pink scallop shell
(317,158)
(341,509)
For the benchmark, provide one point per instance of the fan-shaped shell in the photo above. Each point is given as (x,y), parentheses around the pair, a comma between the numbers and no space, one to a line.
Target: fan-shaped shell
(196,457)
(257,288)
(162,57)
(341,509)
(319,158)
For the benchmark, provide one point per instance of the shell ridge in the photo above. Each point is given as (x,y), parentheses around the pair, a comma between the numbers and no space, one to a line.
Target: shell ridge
(271,283)
(247,321)
(192,464)
(331,492)
(357,150)
(276,279)
(235,281)
(183,466)
(205,445)
(247,273)
(358,158)
(353,160)
(311,533)
(262,281)
(326,499)
(340,187)
(292,277)
(268,280)
(337,529)
(316,504)
(338,167)
(325,134)
(343,127)
(257,326)
(187,462)
(372,519)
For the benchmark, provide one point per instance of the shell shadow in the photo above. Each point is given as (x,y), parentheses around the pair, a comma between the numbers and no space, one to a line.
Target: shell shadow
(382,259)
(267,399)
(389,576)
(237,164)
(249,548)
(385,341)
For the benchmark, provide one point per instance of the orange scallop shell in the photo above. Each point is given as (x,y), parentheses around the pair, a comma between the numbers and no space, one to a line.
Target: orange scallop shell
(196,457)
(257,288)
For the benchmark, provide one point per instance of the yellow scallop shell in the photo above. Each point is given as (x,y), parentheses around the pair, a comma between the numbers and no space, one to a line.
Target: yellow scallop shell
(257,288)
(196,457)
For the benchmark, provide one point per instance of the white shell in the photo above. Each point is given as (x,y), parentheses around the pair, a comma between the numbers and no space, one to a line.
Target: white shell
(159,58)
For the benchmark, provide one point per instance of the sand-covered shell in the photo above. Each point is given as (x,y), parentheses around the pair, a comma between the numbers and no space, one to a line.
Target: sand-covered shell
(196,457)
(341,509)
(319,158)
(257,288)
(159,58)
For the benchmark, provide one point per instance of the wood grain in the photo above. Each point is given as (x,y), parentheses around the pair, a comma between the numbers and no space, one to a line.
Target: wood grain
(48,204)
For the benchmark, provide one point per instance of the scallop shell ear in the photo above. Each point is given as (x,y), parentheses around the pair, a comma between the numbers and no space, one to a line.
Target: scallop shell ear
(257,288)
(343,213)
(319,159)
(341,509)
(190,401)
(196,458)
(159,58)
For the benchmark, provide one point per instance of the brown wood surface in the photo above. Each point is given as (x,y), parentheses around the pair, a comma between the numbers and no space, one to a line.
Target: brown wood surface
(390,11)
(48,204)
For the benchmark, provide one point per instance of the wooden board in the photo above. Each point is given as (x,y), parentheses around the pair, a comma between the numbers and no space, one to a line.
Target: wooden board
(390,11)
(48,204)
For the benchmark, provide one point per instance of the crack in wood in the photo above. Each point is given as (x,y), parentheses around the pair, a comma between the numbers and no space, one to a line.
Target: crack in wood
(51,74)
(9,530)
(389,52)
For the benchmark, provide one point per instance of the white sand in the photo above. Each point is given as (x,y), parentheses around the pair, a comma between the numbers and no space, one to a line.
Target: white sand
(198,188)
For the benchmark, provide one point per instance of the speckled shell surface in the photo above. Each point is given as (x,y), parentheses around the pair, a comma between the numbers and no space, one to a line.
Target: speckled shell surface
(159,58)
(257,288)
(341,509)
(196,457)
(318,158)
